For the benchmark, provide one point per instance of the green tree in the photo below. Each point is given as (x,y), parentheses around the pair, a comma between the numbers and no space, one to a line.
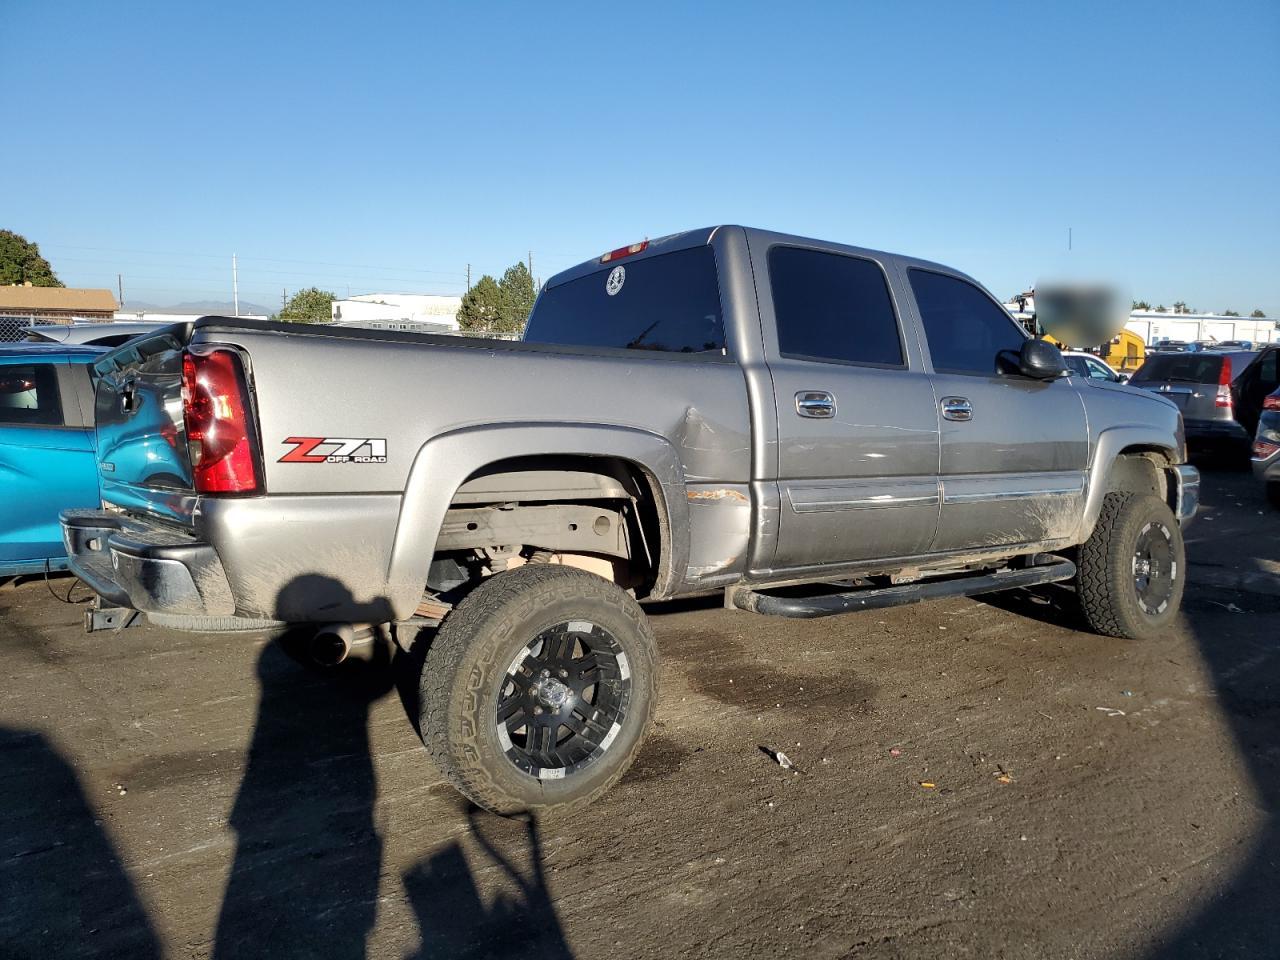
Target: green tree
(311,305)
(1230,313)
(481,306)
(1258,314)
(20,262)
(1162,309)
(1140,305)
(516,301)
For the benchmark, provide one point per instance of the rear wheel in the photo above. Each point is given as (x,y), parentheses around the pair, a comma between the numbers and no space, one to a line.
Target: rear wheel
(538,690)
(1131,572)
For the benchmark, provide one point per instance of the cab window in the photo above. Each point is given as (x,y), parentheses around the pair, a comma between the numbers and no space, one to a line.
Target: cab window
(965,328)
(833,308)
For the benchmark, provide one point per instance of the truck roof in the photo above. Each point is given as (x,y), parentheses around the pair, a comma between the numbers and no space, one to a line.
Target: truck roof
(704,235)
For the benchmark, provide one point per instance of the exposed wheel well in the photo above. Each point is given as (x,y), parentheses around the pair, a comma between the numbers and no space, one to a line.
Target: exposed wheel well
(1142,470)
(559,507)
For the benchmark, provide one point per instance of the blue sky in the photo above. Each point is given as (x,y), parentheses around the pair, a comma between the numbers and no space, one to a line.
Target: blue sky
(383,146)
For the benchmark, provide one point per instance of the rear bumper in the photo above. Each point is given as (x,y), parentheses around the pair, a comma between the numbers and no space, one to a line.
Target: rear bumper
(1217,430)
(145,566)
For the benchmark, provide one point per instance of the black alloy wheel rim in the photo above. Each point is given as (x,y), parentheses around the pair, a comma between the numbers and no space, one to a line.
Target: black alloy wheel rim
(563,700)
(1155,570)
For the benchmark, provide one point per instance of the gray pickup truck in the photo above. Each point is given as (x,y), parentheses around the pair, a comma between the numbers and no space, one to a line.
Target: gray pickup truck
(809,427)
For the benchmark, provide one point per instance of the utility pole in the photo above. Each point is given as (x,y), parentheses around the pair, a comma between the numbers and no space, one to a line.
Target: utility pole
(468,278)
(284,298)
(235,284)
(530,264)
(1068,238)
(120,289)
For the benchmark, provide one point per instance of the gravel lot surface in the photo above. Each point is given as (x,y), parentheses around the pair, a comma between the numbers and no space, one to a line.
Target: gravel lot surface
(975,778)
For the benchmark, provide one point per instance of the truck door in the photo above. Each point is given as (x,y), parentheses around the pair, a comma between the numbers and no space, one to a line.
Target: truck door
(1015,451)
(857,426)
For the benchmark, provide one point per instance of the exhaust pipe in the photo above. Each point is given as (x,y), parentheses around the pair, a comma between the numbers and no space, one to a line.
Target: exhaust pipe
(331,644)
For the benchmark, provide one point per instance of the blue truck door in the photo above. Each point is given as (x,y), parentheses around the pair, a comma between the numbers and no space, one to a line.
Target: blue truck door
(46,458)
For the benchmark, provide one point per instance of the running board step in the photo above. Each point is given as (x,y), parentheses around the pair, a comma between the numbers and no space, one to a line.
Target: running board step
(1050,570)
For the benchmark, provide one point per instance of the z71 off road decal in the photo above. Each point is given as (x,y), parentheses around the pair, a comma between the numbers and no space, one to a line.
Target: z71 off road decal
(336,450)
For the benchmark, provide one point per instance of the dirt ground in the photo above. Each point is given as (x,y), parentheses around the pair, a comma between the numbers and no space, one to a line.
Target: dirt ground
(167,794)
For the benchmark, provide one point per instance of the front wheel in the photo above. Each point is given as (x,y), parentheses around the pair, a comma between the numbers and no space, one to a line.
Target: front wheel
(1132,570)
(538,690)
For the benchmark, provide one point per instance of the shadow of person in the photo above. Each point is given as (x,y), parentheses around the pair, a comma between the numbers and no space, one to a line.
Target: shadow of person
(520,921)
(304,881)
(63,891)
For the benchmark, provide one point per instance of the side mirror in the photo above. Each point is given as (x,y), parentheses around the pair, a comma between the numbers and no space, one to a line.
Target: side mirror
(1040,360)
(1123,377)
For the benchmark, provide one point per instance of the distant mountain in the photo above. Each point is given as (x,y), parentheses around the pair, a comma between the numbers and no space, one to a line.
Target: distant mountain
(221,307)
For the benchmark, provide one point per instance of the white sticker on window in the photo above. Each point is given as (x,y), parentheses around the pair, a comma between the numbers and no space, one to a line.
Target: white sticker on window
(617,277)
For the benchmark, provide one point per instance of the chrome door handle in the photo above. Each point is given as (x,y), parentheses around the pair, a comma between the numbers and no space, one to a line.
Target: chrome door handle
(956,408)
(816,403)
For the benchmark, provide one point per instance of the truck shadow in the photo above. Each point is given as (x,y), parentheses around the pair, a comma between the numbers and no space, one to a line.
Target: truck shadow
(306,874)
(63,890)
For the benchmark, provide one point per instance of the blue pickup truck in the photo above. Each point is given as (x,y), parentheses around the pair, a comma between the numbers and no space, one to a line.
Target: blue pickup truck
(46,450)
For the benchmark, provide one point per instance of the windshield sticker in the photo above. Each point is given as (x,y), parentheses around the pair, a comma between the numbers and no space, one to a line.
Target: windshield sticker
(617,277)
(335,450)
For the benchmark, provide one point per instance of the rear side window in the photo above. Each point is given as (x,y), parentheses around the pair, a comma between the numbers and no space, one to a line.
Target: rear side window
(832,307)
(965,328)
(669,303)
(1268,373)
(1181,368)
(29,394)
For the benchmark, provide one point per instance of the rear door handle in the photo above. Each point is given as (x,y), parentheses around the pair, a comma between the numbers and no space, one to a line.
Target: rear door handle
(817,404)
(956,408)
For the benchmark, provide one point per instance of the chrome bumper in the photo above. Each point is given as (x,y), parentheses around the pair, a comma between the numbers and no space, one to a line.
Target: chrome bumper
(1187,493)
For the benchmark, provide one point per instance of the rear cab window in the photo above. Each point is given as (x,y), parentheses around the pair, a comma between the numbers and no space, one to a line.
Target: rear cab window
(668,303)
(29,394)
(966,329)
(833,308)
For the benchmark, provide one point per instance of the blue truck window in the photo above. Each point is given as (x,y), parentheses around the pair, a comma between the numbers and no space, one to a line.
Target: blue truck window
(668,303)
(29,394)
(831,307)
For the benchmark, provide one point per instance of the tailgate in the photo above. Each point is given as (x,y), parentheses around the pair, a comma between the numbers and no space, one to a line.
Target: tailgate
(143,461)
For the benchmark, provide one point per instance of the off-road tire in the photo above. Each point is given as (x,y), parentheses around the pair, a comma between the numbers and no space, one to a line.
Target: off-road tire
(463,678)
(1105,576)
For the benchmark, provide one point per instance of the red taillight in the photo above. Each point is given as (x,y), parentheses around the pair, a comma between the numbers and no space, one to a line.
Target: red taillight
(624,251)
(219,434)
(1264,448)
(1272,402)
(1223,398)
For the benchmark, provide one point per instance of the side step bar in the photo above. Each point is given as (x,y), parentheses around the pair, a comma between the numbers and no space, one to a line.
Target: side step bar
(1046,569)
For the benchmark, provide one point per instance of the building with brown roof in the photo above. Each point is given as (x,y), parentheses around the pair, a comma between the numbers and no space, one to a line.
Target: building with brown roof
(55,304)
